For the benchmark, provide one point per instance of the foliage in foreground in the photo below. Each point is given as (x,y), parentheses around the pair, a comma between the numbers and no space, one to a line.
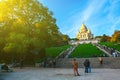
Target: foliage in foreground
(26,29)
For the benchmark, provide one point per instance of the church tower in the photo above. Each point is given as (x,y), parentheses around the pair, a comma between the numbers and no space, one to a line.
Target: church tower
(84,33)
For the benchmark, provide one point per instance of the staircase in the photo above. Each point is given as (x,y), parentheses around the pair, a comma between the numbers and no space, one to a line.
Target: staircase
(66,53)
(105,50)
(108,62)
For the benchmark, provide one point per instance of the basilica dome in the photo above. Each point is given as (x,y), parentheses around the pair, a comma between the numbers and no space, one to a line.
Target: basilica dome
(84,33)
(83,28)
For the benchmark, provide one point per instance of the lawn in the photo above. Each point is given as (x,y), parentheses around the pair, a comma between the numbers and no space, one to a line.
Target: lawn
(86,51)
(111,45)
(52,52)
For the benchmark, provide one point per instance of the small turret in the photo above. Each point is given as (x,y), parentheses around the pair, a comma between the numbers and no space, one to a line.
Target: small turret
(89,31)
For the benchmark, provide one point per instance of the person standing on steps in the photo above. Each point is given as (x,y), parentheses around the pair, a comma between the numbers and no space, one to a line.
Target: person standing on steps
(54,63)
(87,66)
(101,60)
(75,67)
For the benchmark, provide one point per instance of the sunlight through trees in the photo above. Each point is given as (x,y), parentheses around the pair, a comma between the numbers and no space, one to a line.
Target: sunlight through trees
(26,28)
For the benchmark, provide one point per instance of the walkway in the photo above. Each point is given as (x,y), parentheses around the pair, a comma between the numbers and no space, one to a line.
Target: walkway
(70,51)
(107,50)
(104,50)
(67,52)
(60,74)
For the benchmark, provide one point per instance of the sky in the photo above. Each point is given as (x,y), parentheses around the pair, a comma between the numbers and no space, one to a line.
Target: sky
(100,16)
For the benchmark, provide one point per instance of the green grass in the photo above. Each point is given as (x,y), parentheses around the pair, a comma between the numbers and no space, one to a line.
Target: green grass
(52,52)
(111,45)
(85,51)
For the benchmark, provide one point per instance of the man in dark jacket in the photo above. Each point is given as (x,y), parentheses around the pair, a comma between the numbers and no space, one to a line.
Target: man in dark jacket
(87,66)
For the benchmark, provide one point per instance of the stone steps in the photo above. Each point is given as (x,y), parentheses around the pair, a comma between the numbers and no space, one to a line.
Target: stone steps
(108,62)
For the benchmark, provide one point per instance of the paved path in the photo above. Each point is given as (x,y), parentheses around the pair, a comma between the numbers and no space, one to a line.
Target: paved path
(60,74)
(70,51)
(105,50)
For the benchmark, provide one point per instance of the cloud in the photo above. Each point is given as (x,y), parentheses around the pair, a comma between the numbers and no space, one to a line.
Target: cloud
(102,17)
(114,26)
(84,15)
(112,17)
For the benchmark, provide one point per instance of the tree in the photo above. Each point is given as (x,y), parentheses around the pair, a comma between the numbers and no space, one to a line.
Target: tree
(16,46)
(65,39)
(105,38)
(28,26)
(116,36)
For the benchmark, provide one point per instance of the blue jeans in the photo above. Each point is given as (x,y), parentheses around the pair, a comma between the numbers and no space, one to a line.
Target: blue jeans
(87,69)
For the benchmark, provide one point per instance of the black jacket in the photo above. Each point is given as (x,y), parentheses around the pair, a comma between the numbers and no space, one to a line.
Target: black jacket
(87,63)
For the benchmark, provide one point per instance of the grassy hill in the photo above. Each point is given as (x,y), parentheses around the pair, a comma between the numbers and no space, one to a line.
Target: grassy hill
(52,52)
(85,51)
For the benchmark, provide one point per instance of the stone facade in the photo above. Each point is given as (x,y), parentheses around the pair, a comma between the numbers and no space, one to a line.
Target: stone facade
(74,42)
(84,33)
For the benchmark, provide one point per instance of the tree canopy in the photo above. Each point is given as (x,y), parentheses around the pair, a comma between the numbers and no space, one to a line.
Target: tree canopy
(105,38)
(26,26)
(116,36)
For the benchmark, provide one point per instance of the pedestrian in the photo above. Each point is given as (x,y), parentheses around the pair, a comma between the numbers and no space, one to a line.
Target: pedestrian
(75,67)
(21,63)
(100,60)
(50,63)
(14,64)
(114,54)
(4,67)
(87,66)
(54,63)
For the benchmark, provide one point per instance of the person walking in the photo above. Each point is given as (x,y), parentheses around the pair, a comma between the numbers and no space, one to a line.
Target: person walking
(75,67)
(21,63)
(101,60)
(54,63)
(87,66)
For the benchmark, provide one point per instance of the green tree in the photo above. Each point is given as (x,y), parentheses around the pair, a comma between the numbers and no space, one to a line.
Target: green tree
(65,39)
(16,46)
(28,26)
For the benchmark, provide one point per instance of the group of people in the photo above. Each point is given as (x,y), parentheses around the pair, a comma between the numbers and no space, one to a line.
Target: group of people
(50,63)
(86,65)
(5,67)
(115,54)
(75,66)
